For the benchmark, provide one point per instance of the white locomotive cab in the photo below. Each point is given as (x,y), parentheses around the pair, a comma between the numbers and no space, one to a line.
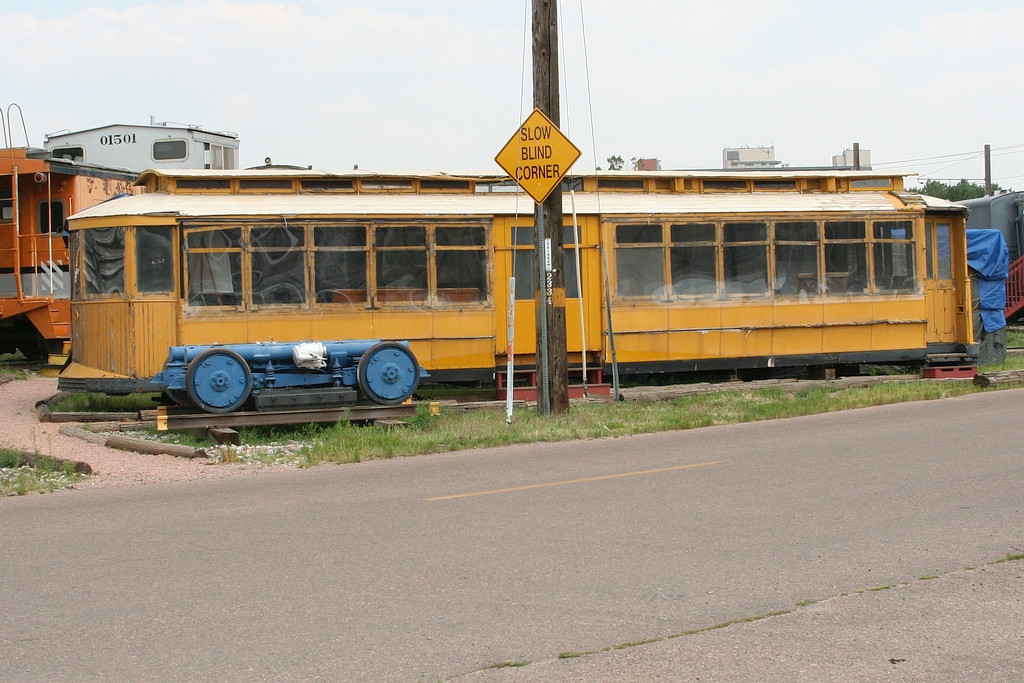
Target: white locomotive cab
(138,148)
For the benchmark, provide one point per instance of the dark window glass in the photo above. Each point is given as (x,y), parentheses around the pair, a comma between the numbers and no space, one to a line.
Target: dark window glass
(341,276)
(693,232)
(214,263)
(523,237)
(460,262)
(894,257)
(72,153)
(945,252)
(278,265)
(796,269)
(693,270)
(894,230)
(744,232)
(569,235)
(846,270)
(799,231)
(340,236)
(637,234)
(461,275)
(796,258)
(51,217)
(339,266)
(401,270)
(846,258)
(569,268)
(844,230)
(452,237)
(745,269)
(103,256)
(170,150)
(154,259)
(406,236)
(524,273)
(639,271)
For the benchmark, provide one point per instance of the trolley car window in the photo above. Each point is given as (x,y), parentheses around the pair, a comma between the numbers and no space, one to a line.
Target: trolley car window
(694,259)
(401,254)
(796,258)
(154,259)
(278,265)
(639,267)
(214,262)
(461,264)
(339,266)
(103,256)
(745,257)
(894,256)
(846,270)
(945,253)
(460,237)
(569,261)
(522,241)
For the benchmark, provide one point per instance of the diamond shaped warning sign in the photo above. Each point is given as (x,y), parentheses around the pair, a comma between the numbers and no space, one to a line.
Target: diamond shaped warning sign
(538,156)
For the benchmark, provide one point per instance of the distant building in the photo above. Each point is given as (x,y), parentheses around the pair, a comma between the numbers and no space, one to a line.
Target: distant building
(647,164)
(750,157)
(846,160)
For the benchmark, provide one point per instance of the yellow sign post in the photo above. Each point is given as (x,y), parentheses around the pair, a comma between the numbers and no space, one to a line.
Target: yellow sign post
(538,156)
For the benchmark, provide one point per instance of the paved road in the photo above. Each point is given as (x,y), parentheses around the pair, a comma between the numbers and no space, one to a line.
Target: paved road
(438,567)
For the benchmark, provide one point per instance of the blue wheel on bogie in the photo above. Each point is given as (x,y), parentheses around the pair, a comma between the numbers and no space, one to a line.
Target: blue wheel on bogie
(218,380)
(388,373)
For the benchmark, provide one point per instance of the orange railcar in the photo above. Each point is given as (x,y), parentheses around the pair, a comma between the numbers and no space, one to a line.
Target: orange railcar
(37,194)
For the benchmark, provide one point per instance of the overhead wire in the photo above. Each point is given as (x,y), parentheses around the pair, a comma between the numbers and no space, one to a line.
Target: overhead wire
(597,193)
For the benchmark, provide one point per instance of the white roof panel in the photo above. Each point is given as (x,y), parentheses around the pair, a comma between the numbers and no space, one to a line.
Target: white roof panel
(481,204)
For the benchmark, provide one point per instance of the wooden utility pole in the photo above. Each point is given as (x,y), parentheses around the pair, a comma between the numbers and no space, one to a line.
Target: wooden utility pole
(548,219)
(988,170)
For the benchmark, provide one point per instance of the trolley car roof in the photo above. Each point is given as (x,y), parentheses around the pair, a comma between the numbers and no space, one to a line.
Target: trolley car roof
(495,195)
(486,204)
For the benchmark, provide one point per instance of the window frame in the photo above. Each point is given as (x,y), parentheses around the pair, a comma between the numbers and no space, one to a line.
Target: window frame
(855,239)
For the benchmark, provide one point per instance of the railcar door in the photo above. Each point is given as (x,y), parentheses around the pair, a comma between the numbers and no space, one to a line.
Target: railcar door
(514,247)
(939,289)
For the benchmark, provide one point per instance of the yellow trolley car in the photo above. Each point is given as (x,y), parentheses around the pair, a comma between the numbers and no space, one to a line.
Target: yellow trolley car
(739,271)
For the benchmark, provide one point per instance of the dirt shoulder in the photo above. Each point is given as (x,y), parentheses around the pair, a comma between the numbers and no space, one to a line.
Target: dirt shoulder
(22,430)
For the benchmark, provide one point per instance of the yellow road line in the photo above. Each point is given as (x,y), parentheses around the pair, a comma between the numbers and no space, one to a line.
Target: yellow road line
(574,481)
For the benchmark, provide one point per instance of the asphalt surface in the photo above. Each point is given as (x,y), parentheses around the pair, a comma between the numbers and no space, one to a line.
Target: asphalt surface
(852,546)
(963,626)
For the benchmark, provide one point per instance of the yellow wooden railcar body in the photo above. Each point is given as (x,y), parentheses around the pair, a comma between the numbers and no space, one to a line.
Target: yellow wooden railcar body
(900,292)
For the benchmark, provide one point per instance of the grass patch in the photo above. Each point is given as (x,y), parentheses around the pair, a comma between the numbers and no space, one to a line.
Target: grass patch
(1012,362)
(508,665)
(1014,336)
(457,430)
(1010,557)
(21,474)
(103,403)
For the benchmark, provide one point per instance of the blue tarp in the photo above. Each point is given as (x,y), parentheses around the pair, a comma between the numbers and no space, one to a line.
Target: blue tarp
(989,256)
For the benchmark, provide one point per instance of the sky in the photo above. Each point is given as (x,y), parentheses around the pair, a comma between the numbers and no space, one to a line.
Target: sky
(391,85)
